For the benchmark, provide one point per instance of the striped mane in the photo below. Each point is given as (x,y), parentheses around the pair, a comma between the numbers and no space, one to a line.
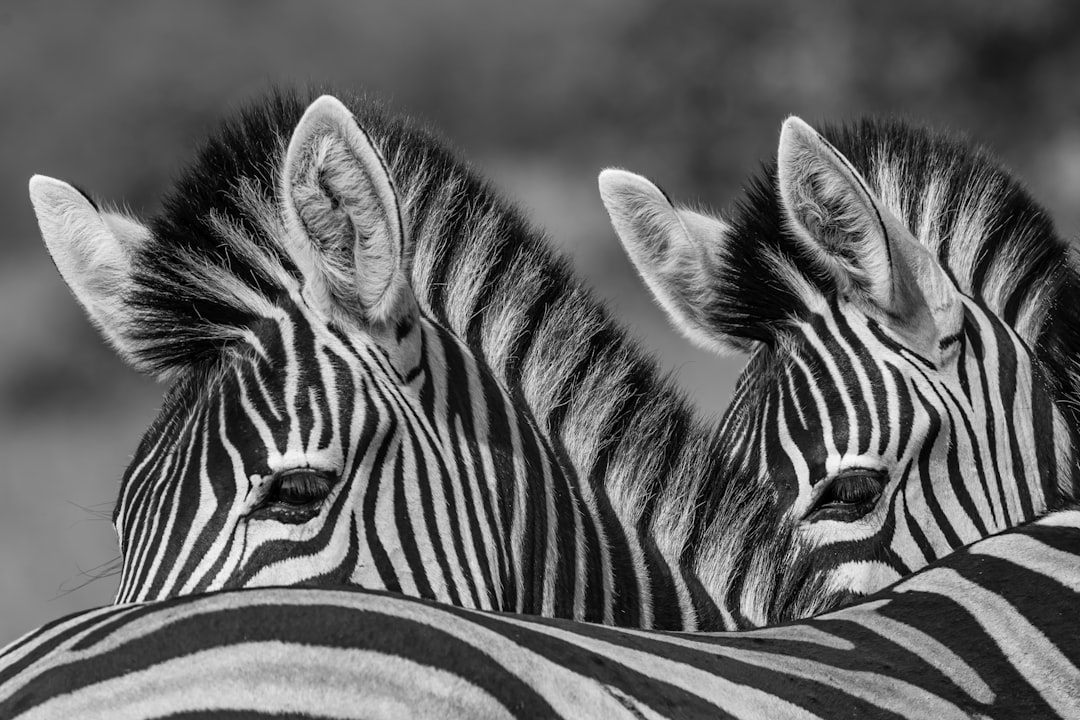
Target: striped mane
(480,271)
(994,240)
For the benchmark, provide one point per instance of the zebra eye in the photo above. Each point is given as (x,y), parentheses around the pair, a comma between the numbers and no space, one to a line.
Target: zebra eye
(296,495)
(851,495)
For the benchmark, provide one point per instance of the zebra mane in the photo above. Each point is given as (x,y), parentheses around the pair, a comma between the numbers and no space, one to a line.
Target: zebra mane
(480,271)
(995,241)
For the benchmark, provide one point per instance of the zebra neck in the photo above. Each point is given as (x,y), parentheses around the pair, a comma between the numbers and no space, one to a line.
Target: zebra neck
(547,538)
(646,470)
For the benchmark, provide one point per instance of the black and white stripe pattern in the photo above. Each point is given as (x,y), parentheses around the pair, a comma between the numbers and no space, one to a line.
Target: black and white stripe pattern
(491,439)
(987,632)
(383,376)
(913,384)
(967,452)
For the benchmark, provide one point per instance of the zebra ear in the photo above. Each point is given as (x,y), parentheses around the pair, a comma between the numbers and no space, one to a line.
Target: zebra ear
(345,231)
(859,242)
(676,251)
(93,251)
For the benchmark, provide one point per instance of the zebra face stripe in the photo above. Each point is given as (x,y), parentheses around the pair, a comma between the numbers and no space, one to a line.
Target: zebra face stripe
(197,510)
(891,460)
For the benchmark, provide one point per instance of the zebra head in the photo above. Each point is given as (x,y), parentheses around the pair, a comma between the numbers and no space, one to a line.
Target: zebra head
(314,369)
(910,316)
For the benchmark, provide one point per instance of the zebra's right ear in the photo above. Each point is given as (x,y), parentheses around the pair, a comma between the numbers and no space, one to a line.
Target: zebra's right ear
(868,251)
(345,230)
(92,249)
(677,252)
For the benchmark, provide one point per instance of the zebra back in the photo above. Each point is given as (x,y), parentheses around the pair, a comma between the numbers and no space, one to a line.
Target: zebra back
(985,632)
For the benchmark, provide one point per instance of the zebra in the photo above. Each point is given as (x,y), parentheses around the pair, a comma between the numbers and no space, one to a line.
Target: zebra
(382,376)
(984,632)
(911,319)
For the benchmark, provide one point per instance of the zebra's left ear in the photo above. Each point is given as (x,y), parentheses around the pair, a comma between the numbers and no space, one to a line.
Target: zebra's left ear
(345,230)
(93,250)
(862,244)
(679,255)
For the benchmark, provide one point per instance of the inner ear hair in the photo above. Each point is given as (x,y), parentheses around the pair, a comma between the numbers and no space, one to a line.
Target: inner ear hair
(346,231)
(832,211)
(872,257)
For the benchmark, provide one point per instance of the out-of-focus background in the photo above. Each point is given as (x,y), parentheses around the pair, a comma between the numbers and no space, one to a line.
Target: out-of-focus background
(114,96)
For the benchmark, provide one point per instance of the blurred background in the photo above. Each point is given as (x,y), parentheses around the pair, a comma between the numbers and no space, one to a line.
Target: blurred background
(540,96)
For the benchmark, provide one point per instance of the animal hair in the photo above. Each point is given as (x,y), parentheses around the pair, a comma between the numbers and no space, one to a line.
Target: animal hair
(989,235)
(215,268)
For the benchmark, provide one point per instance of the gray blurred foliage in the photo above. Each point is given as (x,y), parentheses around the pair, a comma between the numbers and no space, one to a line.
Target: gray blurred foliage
(115,95)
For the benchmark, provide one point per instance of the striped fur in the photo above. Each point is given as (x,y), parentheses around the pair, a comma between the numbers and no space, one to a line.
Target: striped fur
(523,455)
(913,384)
(987,632)
(530,459)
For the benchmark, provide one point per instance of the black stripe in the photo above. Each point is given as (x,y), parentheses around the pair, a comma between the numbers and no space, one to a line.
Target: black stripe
(1008,378)
(926,477)
(849,362)
(459,409)
(403,524)
(383,566)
